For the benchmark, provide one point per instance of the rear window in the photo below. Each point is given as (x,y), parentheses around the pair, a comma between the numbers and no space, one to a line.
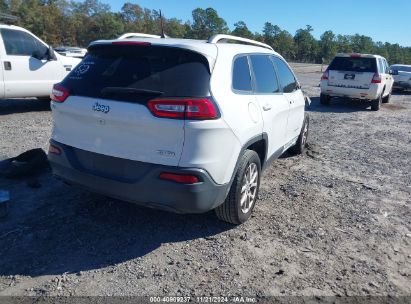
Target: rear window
(354,64)
(125,72)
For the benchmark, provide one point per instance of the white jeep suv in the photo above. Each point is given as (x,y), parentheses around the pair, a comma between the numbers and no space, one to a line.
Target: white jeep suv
(175,124)
(358,76)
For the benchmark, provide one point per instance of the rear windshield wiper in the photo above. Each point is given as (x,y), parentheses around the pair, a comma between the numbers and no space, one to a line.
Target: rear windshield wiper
(128,91)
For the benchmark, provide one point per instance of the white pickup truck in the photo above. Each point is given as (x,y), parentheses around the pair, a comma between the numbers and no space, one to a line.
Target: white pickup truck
(29,67)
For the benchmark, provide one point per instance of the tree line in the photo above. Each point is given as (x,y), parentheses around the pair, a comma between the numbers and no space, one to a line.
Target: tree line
(77,23)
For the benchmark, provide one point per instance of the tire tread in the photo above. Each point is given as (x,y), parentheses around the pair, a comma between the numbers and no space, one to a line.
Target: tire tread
(227,211)
(298,148)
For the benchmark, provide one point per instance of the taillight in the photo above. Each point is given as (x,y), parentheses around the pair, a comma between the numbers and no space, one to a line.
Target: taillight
(59,93)
(376,78)
(185,108)
(325,75)
(180,178)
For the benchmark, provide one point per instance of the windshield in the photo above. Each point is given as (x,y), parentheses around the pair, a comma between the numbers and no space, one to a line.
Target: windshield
(354,64)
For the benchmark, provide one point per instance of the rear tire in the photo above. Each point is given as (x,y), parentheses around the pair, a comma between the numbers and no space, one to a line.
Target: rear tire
(241,199)
(299,146)
(324,99)
(376,104)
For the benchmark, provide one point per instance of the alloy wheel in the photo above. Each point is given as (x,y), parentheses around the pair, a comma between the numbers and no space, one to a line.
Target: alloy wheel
(249,188)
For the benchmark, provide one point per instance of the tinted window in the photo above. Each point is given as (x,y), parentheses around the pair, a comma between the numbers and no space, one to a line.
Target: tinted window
(354,64)
(21,43)
(241,74)
(265,77)
(287,78)
(125,72)
(401,68)
(380,66)
(384,67)
(387,68)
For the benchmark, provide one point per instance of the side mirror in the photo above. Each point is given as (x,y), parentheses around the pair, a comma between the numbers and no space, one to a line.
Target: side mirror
(51,55)
(37,54)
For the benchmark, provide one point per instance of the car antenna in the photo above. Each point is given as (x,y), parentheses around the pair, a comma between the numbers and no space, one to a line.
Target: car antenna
(162,26)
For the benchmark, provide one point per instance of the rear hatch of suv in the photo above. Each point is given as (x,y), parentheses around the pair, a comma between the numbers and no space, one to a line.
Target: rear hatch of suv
(107,110)
(353,72)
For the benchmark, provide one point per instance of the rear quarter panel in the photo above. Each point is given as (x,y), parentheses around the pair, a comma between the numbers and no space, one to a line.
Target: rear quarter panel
(210,145)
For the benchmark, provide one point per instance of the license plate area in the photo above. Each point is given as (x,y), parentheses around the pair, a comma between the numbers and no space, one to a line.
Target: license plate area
(109,167)
(349,76)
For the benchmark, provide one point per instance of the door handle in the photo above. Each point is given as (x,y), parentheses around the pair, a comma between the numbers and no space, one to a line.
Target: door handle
(267,107)
(7,65)
(292,101)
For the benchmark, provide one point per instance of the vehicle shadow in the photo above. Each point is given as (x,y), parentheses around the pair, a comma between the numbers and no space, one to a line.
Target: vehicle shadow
(339,105)
(67,230)
(13,106)
(400,93)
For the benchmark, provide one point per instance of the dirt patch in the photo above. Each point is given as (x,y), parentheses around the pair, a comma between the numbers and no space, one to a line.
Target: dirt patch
(394,107)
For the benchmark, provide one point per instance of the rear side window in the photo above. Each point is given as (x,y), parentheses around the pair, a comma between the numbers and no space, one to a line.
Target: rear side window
(387,68)
(380,65)
(19,43)
(354,64)
(384,66)
(130,73)
(265,77)
(287,78)
(241,74)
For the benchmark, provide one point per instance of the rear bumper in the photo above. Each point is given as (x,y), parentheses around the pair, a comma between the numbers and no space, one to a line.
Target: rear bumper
(136,182)
(367,94)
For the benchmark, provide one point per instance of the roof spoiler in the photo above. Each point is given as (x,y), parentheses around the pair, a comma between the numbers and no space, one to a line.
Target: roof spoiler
(137,35)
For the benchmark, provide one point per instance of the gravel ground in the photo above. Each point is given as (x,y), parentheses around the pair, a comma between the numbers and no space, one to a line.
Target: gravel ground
(335,221)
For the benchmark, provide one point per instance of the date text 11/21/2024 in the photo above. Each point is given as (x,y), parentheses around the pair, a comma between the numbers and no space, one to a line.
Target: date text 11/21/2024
(211,299)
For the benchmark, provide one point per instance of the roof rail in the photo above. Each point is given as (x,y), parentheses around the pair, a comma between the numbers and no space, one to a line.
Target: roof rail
(137,35)
(218,37)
